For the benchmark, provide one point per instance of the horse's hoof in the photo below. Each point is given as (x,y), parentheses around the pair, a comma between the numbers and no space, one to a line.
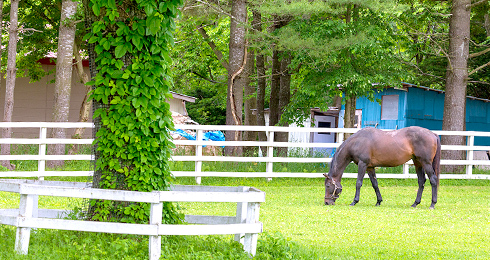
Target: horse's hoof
(352,204)
(431,207)
(377,204)
(415,205)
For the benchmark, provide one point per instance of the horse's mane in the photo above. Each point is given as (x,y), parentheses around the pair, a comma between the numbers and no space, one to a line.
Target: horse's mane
(335,156)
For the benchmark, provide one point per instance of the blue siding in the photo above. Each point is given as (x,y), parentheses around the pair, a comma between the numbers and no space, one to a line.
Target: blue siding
(425,108)
(371,110)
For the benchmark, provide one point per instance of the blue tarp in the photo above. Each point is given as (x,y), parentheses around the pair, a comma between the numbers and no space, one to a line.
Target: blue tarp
(208,136)
(185,134)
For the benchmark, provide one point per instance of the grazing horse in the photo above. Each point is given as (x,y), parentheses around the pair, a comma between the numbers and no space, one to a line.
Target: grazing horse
(371,147)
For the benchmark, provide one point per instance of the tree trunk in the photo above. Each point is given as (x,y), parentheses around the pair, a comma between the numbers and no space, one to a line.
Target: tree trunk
(10,81)
(86,105)
(261,82)
(456,80)
(284,97)
(350,113)
(64,63)
(275,88)
(250,105)
(236,75)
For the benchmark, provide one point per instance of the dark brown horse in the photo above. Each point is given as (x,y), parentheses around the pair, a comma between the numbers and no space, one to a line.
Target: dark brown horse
(370,148)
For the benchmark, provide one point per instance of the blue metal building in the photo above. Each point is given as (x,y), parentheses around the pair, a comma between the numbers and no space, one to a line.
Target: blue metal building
(413,105)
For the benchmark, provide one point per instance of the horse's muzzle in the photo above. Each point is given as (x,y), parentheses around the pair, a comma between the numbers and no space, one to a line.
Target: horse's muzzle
(329,202)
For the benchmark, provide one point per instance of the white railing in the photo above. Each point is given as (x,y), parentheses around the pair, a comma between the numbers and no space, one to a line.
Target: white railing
(245,224)
(42,141)
(198,157)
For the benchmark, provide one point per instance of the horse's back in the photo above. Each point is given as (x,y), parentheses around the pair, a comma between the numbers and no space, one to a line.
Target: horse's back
(392,148)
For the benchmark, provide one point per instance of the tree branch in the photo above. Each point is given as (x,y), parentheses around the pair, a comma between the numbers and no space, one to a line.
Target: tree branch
(476,3)
(211,44)
(207,79)
(479,68)
(476,54)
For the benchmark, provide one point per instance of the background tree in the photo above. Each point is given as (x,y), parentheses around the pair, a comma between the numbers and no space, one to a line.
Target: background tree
(200,62)
(237,76)
(10,80)
(64,63)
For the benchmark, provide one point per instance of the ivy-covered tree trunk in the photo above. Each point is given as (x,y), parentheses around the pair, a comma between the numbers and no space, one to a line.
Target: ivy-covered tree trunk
(10,81)
(456,79)
(133,144)
(64,64)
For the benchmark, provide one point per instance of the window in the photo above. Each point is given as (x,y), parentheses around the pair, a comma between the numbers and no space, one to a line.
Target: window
(389,107)
(324,125)
(358,120)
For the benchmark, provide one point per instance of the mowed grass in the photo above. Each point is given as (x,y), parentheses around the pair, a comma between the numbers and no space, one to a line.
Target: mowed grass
(459,227)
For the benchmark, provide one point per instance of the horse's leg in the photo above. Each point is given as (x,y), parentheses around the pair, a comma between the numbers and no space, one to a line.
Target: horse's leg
(421,178)
(374,182)
(360,176)
(433,182)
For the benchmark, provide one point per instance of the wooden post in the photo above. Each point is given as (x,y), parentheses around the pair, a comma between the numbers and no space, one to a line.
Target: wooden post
(41,163)
(23,234)
(406,170)
(250,240)
(469,155)
(155,242)
(241,215)
(270,154)
(198,164)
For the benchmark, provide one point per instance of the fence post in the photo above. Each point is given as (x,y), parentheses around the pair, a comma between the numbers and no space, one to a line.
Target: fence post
(23,234)
(241,215)
(155,242)
(41,163)
(469,154)
(198,164)
(406,170)
(270,154)
(250,239)
(340,137)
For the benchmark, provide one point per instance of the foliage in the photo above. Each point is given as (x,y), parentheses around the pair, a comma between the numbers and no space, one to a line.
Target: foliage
(334,56)
(132,82)
(197,72)
(423,28)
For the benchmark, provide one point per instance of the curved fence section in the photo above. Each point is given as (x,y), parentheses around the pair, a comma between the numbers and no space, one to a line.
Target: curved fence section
(245,224)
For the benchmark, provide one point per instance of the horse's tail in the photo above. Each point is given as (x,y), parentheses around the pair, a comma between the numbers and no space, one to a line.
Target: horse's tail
(436,163)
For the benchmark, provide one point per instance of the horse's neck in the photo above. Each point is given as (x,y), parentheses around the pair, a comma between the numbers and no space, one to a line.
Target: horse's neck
(341,162)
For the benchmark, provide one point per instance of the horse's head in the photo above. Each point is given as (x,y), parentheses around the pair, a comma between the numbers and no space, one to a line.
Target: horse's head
(332,190)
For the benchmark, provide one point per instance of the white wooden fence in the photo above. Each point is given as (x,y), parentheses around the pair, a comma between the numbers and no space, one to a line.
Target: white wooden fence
(198,157)
(245,225)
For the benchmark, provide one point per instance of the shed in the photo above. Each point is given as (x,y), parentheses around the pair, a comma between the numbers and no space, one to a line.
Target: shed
(33,101)
(412,105)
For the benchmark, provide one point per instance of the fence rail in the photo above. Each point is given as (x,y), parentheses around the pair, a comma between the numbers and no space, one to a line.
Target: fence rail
(245,225)
(198,157)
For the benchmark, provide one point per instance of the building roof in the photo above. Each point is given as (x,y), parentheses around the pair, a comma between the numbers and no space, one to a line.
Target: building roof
(409,85)
(183,97)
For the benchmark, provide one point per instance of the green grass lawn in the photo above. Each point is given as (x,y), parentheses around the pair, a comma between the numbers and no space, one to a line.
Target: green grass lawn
(459,227)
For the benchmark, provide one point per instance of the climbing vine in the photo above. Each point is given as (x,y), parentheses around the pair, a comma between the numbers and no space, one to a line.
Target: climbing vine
(133,146)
